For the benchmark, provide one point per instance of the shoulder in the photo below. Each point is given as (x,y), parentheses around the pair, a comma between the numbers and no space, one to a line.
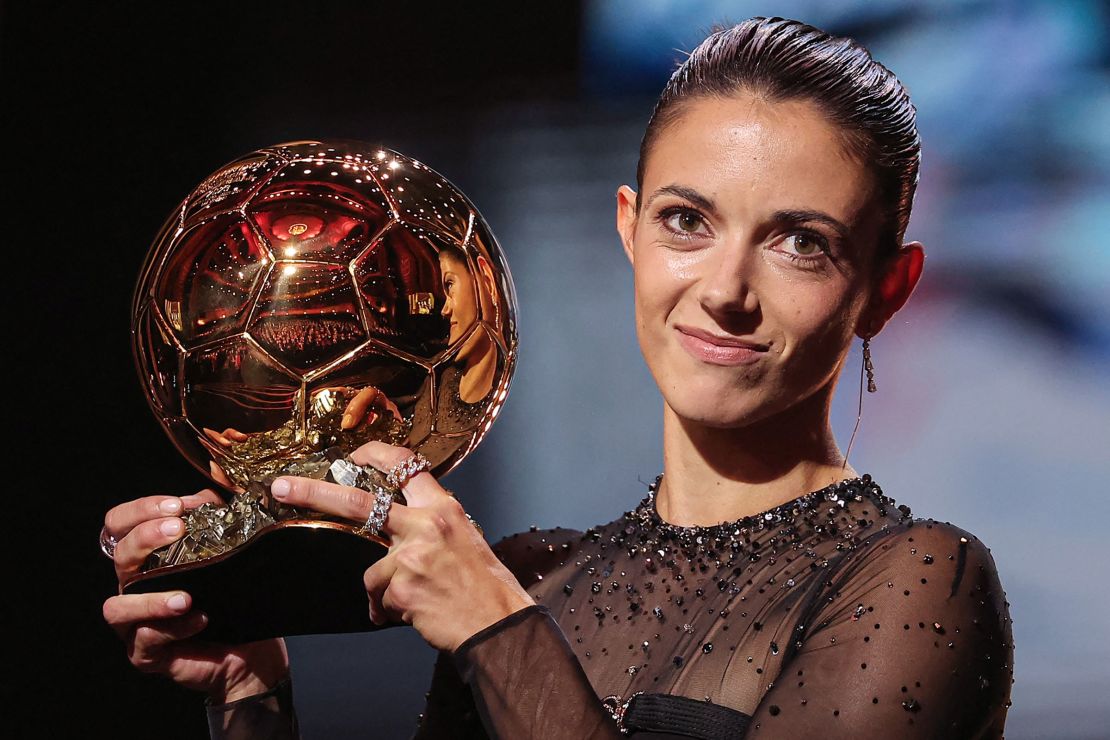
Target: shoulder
(909,632)
(921,577)
(913,559)
(927,549)
(532,554)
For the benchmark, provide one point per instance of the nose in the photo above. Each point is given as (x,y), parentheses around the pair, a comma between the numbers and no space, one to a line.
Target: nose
(726,287)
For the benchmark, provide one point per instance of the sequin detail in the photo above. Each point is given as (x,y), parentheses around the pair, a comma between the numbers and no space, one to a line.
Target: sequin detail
(787,608)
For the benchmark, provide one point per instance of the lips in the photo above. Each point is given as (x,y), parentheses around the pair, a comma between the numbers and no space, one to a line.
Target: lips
(718,350)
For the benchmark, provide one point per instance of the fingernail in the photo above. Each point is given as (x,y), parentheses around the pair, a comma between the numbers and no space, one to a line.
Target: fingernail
(171,527)
(280,488)
(170,506)
(373,616)
(176,602)
(348,419)
(203,617)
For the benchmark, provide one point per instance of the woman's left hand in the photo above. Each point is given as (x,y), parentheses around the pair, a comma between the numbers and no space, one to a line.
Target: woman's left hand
(440,574)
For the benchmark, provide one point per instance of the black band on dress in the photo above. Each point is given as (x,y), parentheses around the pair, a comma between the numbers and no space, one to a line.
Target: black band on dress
(681,715)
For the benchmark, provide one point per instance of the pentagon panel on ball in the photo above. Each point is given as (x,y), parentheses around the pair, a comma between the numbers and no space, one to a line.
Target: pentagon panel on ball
(303,300)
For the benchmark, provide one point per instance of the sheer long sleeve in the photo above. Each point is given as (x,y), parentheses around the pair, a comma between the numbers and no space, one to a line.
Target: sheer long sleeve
(528,683)
(519,677)
(833,615)
(449,711)
(269,715)
(911,639)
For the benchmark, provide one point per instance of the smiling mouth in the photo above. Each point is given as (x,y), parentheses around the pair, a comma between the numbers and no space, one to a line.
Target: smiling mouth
(717,350)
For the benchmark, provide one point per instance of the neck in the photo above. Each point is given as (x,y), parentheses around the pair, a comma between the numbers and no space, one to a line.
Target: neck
(478,370)
(713,475)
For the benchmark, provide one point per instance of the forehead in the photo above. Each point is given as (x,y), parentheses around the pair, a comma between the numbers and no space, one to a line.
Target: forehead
(446,256)
(747,153)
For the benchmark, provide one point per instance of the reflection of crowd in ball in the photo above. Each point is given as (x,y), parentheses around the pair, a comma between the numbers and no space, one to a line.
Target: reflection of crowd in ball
(298,335)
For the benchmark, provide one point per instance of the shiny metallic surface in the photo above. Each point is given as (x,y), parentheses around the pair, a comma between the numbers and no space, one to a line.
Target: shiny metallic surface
(312,296)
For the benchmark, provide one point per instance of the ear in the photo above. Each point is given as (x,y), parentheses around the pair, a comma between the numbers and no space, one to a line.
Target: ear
(894,287)
(486,271)
(487,285)
(626,218)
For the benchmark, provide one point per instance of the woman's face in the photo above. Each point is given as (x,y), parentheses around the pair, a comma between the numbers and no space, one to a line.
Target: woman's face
(459,307)
(750,254)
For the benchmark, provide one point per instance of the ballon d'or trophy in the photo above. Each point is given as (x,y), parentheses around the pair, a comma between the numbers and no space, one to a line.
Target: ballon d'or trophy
(301,301)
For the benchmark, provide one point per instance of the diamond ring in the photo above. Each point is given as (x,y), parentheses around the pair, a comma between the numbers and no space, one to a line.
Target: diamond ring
(108,544)
(400,473)
(383,499)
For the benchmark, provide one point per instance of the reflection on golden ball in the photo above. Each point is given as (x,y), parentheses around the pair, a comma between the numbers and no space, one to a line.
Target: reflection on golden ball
(297,278)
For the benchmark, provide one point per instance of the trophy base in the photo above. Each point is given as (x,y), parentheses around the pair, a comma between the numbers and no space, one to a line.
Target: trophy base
(292,578)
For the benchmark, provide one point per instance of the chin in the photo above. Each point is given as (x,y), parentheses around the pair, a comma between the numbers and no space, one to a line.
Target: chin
(710,411)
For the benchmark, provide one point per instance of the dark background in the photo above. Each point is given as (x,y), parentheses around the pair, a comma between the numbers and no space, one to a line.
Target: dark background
(993,381)
(117,110)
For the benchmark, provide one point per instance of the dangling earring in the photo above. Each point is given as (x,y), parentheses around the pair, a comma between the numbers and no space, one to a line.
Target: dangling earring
(868,366)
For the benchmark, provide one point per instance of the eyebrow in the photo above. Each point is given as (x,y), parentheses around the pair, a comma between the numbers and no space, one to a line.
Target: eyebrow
(687,193)
(802,215)
(791,216)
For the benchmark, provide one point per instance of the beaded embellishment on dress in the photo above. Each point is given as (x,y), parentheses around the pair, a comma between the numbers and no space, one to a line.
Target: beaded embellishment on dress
(617,707)
(834,607)
(814,512)
(455,413)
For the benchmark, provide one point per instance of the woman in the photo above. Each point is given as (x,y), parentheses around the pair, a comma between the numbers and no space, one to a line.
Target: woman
(762,588)
(466,383)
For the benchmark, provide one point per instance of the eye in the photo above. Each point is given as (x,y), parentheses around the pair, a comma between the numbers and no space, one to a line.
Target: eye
(806,245)
(681,221)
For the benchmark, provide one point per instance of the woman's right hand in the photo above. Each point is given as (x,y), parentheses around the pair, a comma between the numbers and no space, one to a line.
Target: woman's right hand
(159,628)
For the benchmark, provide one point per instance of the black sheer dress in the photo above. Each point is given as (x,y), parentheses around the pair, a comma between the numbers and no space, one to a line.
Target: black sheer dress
(833,615)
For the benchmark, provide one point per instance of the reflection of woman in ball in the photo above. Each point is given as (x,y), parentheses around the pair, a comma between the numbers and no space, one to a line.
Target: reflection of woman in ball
(762,588)
(476,360)
(467,380)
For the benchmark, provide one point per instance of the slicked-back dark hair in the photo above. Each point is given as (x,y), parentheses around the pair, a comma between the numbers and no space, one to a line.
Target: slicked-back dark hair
(784,59)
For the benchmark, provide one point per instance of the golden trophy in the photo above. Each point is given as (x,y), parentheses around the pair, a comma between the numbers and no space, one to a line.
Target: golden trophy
(301,301)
